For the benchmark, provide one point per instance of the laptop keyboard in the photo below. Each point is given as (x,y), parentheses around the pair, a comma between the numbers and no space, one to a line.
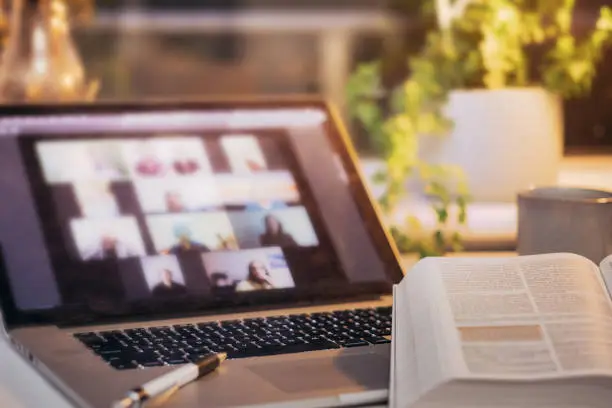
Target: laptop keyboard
(179,344)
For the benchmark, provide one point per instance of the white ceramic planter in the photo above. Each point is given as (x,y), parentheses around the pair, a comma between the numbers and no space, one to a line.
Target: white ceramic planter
(505,140)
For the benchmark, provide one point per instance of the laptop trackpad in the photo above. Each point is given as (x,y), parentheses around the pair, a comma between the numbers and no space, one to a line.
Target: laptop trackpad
(322,373)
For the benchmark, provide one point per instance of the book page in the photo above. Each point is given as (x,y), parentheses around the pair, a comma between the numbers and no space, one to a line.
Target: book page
(408,391)
(606,271)
(423,357)
(392,375)
(536,316)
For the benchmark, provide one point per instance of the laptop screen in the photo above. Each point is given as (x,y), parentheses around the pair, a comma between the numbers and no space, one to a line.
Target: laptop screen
(111,209)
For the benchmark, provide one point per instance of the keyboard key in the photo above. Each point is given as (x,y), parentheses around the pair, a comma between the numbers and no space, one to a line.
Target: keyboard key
(222,349)
(293,341)
(377,340)
(169,344)
(114,357)
(195,342)
(194,358)
(144,357)
(354,343)
(268,343)
(281,349)
(246,346)
(150,362)
(155,363)
(123,365)
(230,322)
(89,336)
(204,327)
(183,326)
(161,332)
(177,361)
(136,332)
(173,356)
(91,340)
(256,321)
(113,337)
(111,351)
(199,351)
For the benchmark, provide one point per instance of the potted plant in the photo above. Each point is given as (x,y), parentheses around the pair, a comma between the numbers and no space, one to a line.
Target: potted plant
(490,79)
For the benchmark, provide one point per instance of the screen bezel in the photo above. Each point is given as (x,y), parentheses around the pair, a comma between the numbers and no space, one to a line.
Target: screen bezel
(152,310)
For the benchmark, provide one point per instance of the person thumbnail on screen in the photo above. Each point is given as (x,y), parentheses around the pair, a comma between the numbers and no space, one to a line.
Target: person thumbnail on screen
(164,276)
(243,153)
(177,194)
(180,233)
(96,199)
(248,270)
(274,233)
(167,156)
(220,280)
(174,201)
(222,283)
(80,160)
(283,227)
(258,191)
(111,238)
(185,241)
(258,278)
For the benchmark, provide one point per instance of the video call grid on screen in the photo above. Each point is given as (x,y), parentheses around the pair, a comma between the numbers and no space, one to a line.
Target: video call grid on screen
(169,196)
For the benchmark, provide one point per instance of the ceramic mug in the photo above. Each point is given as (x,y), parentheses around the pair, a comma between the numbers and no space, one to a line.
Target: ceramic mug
(565,219)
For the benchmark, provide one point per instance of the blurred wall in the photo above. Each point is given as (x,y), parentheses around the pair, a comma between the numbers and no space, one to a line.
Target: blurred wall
(159,48)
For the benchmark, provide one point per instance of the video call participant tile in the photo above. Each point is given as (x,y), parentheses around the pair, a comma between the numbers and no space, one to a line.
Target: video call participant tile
(177,194)
(96,199)
(243,153)
(285,227)
(107,238)
(258,191)
(163,276)
(203,232)
(163,157)
(248,270)
(71,161)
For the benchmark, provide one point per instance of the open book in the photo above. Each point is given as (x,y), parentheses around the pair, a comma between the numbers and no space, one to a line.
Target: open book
(531,331)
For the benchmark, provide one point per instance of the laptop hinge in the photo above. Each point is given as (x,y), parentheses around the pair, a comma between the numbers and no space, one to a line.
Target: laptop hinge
(101,317)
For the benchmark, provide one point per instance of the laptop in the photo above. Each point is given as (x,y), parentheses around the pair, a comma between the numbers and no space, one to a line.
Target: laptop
(139,237)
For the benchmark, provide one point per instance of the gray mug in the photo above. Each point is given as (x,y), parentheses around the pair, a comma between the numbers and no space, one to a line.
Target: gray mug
(565,219)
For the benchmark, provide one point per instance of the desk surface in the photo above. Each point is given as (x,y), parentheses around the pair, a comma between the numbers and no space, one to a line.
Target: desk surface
(22,387)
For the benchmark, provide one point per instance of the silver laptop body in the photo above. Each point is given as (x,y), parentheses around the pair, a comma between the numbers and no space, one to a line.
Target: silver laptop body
(115,217)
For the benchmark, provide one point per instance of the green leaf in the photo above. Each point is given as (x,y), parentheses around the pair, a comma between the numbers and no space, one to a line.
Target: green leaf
(380,177)
(456,242)
(604,22)
(439,241)
(578,70)
(563,18)
(442,214)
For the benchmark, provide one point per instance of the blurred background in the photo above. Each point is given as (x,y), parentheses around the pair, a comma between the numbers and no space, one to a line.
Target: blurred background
(154,48)
(160,48)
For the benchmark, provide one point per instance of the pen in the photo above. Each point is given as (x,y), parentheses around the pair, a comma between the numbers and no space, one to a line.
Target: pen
(172,380)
